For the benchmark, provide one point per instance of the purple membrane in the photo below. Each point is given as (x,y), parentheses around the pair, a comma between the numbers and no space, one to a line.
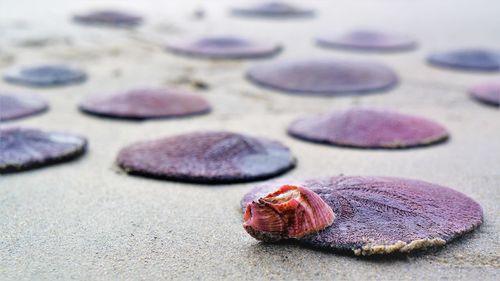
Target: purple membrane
(368,40)
(323,76)
(273,9)
(368,128)
(207,157)
(24,149)
(15,106)
(487,92)
(467,59)
(45,75)
(113,18)
(224,47)
(146,104)
(383,215)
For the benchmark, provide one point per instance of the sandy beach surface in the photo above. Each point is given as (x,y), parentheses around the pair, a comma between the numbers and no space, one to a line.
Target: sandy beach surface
(85,220)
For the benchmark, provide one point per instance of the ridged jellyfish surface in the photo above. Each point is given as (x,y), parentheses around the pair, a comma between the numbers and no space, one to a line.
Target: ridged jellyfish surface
(207,157)
(223,47)
(383,215)
(273,9)
(15,106)
(467,59)
(45,75)
(368,128)
(112,18)
(23,148)
(327,77)
(146,104)
(368,40)
(487,92)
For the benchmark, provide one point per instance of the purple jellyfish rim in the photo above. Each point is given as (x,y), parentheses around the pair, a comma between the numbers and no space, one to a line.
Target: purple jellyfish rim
(472,59)
(21,106)
(388,81)
(223,47)
(45,75)
(368,40)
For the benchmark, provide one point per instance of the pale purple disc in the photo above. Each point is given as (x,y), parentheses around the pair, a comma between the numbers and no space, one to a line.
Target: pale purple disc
(45,75)
(383,215)
(146,104)
(15,106)
(24,149)
(368,128)
(224,47)
(207,157)
(368,40)
(487,92)
(467,59)
(274,10)
(323,76)
(113,18)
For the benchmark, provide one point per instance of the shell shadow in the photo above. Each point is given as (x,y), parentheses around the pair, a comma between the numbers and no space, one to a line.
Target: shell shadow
(129,119)
(202,182)
(263,247)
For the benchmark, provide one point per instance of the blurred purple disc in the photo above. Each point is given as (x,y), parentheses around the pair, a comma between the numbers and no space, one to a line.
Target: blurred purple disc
(224,47)
(23,149)
(487,92)
(113,18)
(273,9)
(45,75)
(382,215)
(323,76)
(368,128)
(207,157)
(15,106)
(146,104)
(368,40)
(467,59)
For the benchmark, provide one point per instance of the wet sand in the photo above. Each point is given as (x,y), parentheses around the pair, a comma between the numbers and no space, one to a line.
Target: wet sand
(84,220)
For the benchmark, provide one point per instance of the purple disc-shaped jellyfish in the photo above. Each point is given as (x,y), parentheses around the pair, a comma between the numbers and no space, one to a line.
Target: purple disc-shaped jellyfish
(224,47)
(323,76)
(207,157)
(113,18)
(15,106)
(383,215)
(273,9)
(487,92)
(467,59)
(146,104)
(45,75)
(23,149)
(368,40)
(368,128)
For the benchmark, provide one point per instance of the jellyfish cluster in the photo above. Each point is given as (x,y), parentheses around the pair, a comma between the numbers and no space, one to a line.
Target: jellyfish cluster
(362,215)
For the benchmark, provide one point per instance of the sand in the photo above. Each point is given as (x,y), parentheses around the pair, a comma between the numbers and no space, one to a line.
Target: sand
(84,220)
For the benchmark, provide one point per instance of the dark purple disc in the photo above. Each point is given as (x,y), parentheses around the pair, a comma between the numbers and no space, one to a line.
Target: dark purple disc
(368,40)
(467,59)
(15,106)
(23,149)
(487,92)
(273,9)
(45,75)
(224,47)
(382,215)
(113,18)
(368,128)
(323,76)
(146,104)
(207,157)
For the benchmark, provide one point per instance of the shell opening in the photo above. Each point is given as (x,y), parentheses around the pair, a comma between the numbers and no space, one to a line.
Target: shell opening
(289,212)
